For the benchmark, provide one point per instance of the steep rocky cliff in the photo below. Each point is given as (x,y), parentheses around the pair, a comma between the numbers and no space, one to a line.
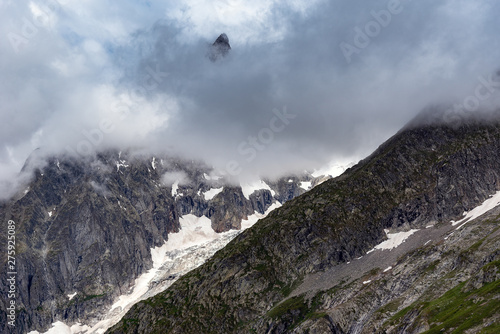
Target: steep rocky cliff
(424,176)
(87,225)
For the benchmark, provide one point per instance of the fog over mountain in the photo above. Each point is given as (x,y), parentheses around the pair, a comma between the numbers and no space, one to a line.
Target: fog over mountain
(303,83)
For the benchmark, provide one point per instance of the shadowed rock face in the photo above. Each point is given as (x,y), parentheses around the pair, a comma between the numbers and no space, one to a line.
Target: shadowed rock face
(220,48)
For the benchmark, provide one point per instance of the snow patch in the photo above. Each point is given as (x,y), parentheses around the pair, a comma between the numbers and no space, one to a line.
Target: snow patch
(366,282)
(305,185)
(121,163)
(387,269)
(194,231)
(250,188)
(50,213)
(486,206)
(71,296)
(153,163)
(212,193)
(252,219)
(141,285)
(427,242)
(394,240)
(175,187)
(333,169)
(61,328)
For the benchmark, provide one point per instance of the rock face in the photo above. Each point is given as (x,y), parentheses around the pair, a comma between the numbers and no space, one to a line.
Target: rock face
(220,48)
(263,280)
(87,225)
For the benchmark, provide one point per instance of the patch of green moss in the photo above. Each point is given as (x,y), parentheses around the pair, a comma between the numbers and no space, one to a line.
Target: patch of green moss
(462,311)
(392,306)
(129,322)
(492,265)
(291,304)
(456,309)
(89,297)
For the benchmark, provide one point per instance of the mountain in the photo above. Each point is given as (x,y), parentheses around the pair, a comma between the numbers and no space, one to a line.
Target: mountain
(384,248)
(220,48)
(88,227)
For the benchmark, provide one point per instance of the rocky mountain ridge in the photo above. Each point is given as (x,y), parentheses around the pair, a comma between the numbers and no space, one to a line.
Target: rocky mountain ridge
(88,225)
(423,176)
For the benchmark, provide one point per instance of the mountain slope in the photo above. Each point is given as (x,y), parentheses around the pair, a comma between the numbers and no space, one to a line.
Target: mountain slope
(423,175)
(86,227)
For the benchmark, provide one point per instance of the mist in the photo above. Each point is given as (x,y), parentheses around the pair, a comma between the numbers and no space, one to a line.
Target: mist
(304,84)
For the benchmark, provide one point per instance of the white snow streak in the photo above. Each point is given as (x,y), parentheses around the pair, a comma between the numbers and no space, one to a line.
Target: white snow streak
(487,205)
(212,193)
(394,240)
(175,186)
(333,169)
(71,296)
(250,188)
(305,185)
(121,163)
(61,328)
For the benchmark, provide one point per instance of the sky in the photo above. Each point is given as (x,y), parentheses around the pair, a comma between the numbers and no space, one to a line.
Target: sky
(305,83)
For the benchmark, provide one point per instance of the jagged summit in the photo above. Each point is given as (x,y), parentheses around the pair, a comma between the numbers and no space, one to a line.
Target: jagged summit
(219,48)
(222,39)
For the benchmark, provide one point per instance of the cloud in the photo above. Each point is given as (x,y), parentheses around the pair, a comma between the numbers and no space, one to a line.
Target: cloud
(178,177)
(84,76)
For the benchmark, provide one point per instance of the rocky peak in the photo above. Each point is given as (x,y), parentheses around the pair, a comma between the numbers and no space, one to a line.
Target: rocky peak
(219,48)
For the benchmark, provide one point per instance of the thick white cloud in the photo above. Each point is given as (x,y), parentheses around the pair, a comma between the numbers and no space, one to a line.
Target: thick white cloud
(86,75)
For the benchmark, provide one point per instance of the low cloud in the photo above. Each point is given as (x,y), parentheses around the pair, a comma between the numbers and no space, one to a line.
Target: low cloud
(89,77)
(179,177)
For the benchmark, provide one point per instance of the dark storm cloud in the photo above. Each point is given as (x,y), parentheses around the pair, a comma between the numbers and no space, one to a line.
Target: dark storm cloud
(302,85)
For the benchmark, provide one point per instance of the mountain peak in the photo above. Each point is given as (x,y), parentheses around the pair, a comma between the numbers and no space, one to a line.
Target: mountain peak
(219,48)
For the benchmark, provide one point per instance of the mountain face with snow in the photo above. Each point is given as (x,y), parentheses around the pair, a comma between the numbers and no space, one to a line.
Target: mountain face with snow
(88,230)
(406,241)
